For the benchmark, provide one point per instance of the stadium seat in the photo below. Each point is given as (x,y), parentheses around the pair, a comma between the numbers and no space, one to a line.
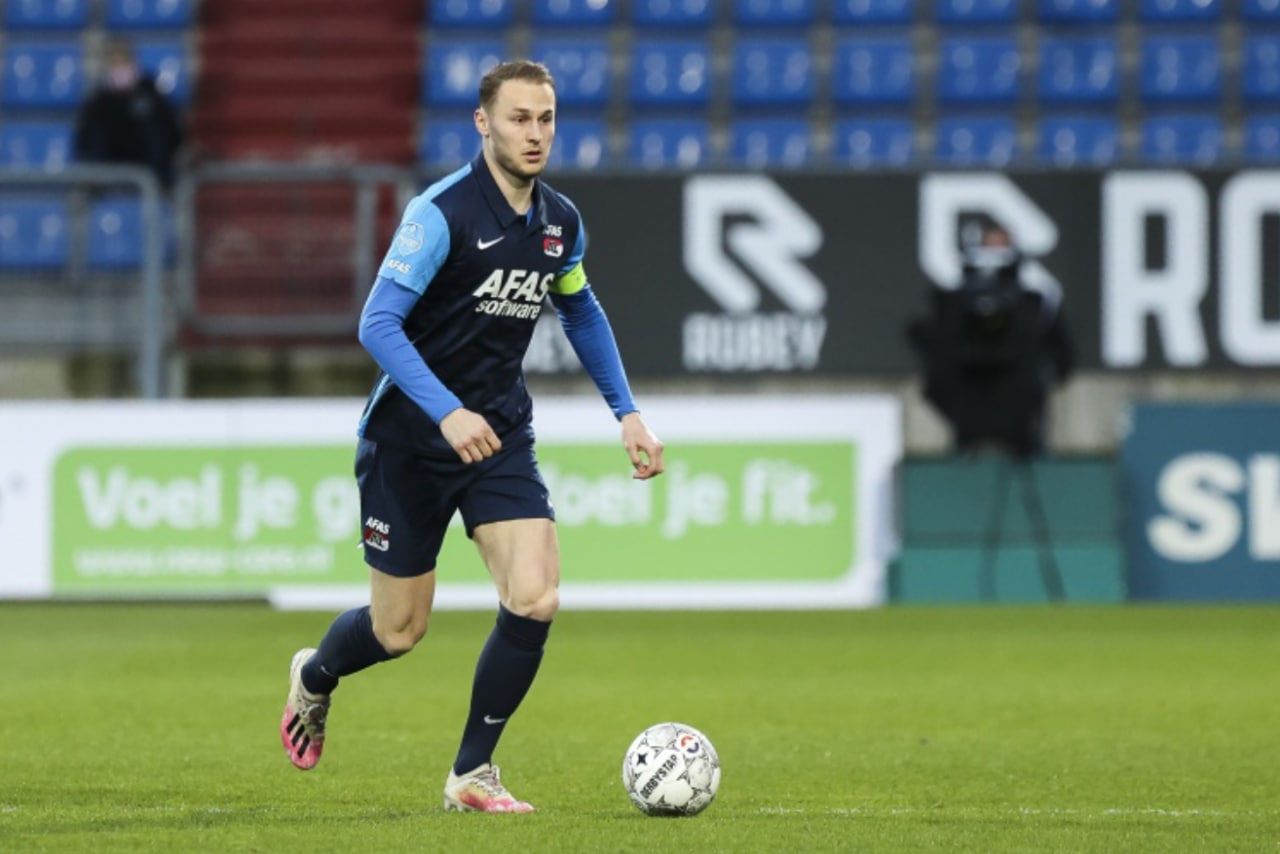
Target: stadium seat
(1180,11)
(1078,11)
(876,142)
(1184,139)
(967,12)
(773,13)
(874,71)
(446,144)
(46,14)
(1260,70)
(169,64)
(1262,139)
(977,140)
(1260,11)
(670,14)
(44,75)
(872,13)
(1079,70)
(453,69)
(1078,141)
(669,143)
(978,70)
(117,233)
(580,67)
(670,73)
(759,143)
(149,14)
(1180,69)
(573,13)
(772,72)
(580,144)
(35,145)
(33,234)
(471,14)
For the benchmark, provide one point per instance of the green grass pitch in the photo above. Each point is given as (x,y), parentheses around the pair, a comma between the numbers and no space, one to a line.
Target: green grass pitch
(154,728)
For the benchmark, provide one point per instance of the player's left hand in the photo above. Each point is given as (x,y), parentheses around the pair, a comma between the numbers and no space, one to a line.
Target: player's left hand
(644,448)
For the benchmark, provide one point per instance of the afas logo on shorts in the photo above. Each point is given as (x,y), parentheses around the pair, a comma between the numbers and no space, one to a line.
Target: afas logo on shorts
(377,534)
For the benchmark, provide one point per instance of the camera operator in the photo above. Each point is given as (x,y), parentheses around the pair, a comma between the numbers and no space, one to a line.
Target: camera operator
(993,349)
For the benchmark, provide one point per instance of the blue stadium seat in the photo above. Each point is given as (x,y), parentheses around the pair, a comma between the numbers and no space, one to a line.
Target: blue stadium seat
(46,14)
(447,143)
(42,75)
(453,69)
(1183,139)
(33,234)
(1078,141)
(1260,71)
(1180,11)
(35,145)
(169,64)
(471,14)
(1262,138)
(977,140)
(967,12)
(872,13)
(979,70)
(1180,69)
(573,13)
(874,71)
(877,142)
(580,67)
(759,143)
(674,143)
(1079,70)
(580,144)
(1078,11)
(773,13)
(772,72)
(670,73)
(690,14)
(115,234)
(1260,11)
(149,14)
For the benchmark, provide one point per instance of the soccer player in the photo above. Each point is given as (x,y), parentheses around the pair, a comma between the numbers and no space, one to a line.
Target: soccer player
(448,424)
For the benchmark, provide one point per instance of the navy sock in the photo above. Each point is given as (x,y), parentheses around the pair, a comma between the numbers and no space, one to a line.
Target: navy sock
(349,646)
(506,668)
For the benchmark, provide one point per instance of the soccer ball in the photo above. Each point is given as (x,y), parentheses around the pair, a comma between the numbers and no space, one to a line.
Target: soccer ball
(671,769)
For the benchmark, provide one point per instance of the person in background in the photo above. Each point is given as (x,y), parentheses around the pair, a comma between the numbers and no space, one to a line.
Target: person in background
(449,426)
(127,120)
(993,348)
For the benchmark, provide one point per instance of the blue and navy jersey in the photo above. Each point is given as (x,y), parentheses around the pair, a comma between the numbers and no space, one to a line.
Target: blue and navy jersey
(481,271)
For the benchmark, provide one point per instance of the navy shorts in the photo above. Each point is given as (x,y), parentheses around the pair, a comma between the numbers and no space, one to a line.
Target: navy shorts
(407,499)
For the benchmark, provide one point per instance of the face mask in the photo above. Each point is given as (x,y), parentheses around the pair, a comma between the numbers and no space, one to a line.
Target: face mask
(121,77)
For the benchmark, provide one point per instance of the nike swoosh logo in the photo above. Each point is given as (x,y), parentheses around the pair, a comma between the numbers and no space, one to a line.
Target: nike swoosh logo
(488,719)
(485,244)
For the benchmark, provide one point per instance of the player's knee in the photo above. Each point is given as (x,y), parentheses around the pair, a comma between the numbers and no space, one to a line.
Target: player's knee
(542,606)
(398,640)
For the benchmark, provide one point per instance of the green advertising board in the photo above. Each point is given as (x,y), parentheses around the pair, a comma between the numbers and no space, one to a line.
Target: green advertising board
(242,519)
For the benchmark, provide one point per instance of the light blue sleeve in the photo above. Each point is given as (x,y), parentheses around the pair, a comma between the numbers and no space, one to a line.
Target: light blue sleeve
(419,248)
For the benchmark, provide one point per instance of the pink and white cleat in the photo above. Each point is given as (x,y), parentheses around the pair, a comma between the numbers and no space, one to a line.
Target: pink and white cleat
(480,791)
(302,726)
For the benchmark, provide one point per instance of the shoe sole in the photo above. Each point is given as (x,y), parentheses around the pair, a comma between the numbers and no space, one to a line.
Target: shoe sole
(295,666)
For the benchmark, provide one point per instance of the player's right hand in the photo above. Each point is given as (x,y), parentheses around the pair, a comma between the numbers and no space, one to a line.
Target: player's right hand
(469,435)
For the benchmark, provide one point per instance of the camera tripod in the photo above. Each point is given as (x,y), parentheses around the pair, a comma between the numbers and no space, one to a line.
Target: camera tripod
(1012,472)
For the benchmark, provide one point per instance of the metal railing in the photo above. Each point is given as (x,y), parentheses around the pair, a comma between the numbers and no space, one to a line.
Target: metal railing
(77,307)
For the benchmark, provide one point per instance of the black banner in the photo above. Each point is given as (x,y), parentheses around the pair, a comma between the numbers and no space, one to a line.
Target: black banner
(820,274)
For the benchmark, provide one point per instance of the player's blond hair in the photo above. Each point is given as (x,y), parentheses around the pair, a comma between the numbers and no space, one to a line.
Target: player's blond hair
(515,69)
